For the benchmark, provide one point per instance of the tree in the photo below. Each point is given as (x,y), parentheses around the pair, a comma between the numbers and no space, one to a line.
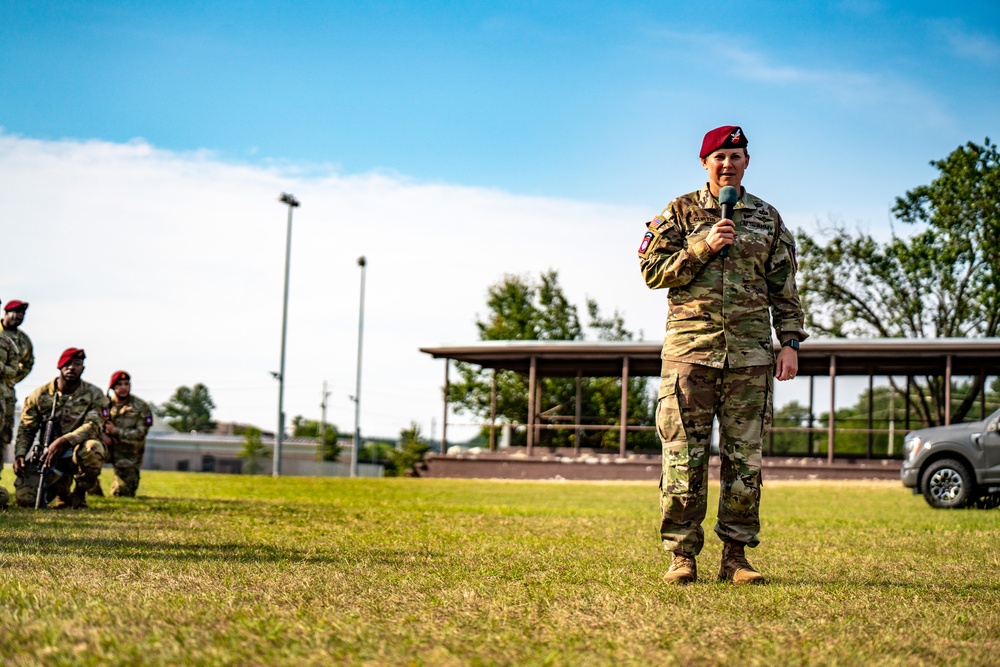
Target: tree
(376,453)
(328,440)
(521,309)
(943,281)
(253,450)
(190,409)
(412,449)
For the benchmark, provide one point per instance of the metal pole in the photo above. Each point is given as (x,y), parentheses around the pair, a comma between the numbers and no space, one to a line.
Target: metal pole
(623,433)
(444,425)
(871,410)
(947,391)
(532,371)
(833,409)
(493,412)
(579,412)
(322,424)
(292,202)
(356,443)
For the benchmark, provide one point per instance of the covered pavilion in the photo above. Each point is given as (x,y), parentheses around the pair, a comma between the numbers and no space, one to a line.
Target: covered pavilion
(929,357)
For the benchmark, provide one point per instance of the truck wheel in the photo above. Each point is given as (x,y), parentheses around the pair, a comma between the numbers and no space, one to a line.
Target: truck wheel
(948,484)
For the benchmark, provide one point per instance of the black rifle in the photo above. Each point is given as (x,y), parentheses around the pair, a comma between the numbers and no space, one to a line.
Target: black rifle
(36,455)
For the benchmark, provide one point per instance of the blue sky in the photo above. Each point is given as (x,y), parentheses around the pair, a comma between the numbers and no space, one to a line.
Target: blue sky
(585,100)
(580,119)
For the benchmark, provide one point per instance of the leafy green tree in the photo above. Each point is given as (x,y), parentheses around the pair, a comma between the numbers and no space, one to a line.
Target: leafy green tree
(522,309)
(412,449)
(253,451)
(942,281)
(310,428)
(190,409)
(790,415)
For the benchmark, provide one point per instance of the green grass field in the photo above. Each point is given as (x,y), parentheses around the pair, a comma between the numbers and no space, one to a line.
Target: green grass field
(215,569)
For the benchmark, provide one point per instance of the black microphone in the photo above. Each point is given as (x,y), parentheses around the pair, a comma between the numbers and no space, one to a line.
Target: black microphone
(728,196)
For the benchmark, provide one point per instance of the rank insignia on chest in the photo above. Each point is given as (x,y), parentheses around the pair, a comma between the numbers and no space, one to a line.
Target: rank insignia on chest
(645,241)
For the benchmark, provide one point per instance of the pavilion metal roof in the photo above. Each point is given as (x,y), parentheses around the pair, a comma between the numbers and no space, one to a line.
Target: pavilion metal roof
(854,356)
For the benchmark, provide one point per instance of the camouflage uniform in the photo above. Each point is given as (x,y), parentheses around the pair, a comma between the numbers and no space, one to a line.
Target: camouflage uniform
(132,418)
(8,370)
(80,418)
(717,357)
(23,361)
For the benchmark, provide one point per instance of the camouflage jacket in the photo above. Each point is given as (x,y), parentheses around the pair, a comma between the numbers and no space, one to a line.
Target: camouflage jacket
(132,418)
(9,366)
(26,353)
(722,309)
(79,416)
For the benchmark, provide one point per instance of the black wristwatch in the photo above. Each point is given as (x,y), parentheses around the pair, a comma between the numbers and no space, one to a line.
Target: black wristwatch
(792,343)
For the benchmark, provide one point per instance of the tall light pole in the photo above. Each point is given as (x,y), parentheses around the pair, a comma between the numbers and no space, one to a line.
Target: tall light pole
(292,202)
(357,387)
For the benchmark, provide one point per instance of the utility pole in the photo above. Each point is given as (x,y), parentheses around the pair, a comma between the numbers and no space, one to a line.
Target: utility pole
(293,203)
(322,424)
(355,446)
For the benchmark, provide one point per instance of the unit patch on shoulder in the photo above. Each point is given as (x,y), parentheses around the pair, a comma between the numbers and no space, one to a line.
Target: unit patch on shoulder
(645,242)
(149,420)
(105,413)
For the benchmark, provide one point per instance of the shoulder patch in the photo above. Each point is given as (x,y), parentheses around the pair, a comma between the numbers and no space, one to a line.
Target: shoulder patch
(149,419)
(645,242)
(104,412)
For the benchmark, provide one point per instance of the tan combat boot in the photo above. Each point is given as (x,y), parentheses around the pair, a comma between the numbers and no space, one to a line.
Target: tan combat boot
(683,570)
(735,566)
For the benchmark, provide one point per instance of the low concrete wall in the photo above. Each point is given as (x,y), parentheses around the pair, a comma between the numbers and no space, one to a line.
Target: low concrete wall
(639,467)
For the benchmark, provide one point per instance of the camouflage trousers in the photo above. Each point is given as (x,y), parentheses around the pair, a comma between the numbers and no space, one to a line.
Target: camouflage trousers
(690,396)
(127,461)
(6,420)
(82,463)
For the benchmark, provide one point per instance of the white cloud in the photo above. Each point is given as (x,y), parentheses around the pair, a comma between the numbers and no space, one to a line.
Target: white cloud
(966,44)
(883,93)
(170,265)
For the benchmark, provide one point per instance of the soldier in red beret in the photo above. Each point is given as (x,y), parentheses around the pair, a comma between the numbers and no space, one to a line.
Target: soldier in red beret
(78,410)
(729,280)
(124,434)
(21,363)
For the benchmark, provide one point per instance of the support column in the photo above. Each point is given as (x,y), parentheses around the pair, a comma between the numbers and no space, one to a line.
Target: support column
(871,409)
(444,421)
(833,409)
(579,411)
(532,369)
(493,412)
(982,394)
(947,391)
(811,445)
(909,382)
(624,413)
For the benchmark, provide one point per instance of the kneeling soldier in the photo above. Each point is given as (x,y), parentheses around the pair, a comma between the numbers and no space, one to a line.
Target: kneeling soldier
(78,410)
(124,434)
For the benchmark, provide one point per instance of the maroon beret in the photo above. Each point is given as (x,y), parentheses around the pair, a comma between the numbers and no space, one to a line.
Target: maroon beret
(68,355)
(727,136)
(118,375)
(14,304)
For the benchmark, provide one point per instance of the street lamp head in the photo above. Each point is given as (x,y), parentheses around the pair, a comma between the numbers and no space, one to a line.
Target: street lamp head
(361,260)
(287,198)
